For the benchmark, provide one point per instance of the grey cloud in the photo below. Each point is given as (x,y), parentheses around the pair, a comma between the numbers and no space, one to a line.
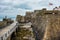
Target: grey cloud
(23,6)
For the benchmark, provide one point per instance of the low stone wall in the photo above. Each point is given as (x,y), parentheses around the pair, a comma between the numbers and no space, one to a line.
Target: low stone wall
(3,24)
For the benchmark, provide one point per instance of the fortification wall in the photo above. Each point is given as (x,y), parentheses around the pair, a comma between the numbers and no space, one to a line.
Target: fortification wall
(47,25)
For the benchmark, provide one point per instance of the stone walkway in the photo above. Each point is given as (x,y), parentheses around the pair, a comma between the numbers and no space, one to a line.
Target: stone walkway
(25,32)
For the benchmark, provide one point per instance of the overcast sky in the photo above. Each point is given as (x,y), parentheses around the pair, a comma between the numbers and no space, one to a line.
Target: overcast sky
(14,7)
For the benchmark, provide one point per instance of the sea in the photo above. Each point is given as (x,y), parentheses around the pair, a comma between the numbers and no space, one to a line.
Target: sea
(13,18)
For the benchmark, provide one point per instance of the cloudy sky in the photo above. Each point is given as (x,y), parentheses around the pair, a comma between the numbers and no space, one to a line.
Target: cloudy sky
(13,7)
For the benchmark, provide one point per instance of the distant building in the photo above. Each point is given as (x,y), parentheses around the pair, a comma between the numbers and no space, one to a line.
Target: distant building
(57,8)
(8,20)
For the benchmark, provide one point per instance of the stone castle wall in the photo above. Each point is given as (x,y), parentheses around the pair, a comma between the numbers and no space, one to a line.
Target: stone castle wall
(46,25)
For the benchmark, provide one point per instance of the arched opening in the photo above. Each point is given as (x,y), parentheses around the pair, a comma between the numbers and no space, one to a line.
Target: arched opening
(13,35)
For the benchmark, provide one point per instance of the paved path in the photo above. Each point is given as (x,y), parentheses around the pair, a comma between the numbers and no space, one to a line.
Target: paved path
(28,26)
